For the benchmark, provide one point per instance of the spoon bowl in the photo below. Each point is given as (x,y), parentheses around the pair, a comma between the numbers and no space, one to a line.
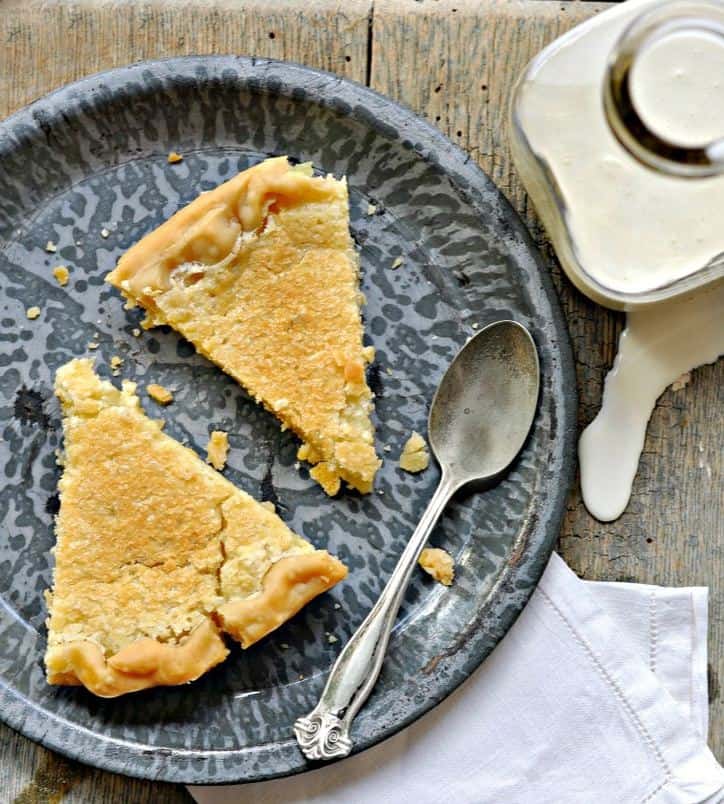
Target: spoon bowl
(485,404)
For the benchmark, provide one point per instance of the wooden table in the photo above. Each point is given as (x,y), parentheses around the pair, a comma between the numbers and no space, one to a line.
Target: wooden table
(454,62)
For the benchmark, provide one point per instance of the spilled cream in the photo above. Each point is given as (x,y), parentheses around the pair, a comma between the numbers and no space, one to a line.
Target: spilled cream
(659,344)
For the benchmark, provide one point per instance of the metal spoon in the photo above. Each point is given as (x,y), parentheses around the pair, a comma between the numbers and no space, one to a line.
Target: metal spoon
(479,419)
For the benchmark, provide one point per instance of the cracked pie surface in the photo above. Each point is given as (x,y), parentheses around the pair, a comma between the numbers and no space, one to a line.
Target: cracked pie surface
(261,275)
(157,554)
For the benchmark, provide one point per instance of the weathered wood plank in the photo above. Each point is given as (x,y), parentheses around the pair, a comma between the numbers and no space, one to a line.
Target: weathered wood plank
(48,43)
(672,531)
(31,775)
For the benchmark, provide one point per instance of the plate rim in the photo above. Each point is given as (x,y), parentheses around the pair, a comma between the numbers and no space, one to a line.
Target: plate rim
(328,87)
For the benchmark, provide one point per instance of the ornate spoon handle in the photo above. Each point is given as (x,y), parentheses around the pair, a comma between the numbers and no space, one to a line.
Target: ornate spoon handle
(324,732)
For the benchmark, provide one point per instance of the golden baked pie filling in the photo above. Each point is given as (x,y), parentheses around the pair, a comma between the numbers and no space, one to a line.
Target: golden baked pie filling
(157,553)
(262,277)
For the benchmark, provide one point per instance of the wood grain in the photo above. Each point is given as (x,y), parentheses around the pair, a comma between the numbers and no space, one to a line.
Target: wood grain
(472,51)
(32,775)
(46,44)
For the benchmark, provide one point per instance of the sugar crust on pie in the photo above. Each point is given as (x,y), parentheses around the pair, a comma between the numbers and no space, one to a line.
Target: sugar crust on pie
(157,554)
(261,275)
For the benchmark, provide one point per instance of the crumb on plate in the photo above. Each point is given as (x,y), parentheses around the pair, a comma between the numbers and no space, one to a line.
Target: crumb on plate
(174,157)
(159,394)
(61,274)
(50,247)
(104,233)
(397,262)
(439,564)
(415,457)
(217,449)
(371,209)
(32,313)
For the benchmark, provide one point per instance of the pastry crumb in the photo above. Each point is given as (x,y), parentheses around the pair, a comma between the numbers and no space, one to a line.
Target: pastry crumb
(338,606)
(326,477)
(439,564)
(105,233)
(116,363)
(397,262)
(136,332)
(174,157)
(61,274)
(371,209)
(217,449)
(32,313)
(415,457)
(681,382)
(284,646)
(159,394)
(331,638)
(92,345)
(476,325)
(50,247)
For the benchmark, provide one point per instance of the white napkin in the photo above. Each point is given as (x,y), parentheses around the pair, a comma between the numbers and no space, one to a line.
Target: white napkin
(598,693)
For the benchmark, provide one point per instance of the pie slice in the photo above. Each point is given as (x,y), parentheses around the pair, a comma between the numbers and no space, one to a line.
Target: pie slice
(262,277)
(157,553)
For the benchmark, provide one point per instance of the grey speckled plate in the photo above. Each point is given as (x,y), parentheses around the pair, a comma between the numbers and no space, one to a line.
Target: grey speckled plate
(86,169)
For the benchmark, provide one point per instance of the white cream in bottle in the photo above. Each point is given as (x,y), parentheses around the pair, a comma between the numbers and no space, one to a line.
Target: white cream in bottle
(632,229)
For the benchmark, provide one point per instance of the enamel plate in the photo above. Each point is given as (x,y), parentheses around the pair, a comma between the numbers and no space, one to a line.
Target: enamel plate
(85,169)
